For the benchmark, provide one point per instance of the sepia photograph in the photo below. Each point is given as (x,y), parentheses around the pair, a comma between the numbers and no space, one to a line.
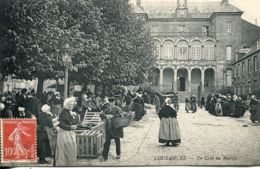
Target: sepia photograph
(129,83)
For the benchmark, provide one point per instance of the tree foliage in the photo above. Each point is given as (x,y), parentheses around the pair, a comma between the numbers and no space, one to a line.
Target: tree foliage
(108,44)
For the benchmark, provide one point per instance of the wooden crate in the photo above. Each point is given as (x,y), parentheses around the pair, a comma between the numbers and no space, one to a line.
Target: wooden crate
(91,118)
(89,143)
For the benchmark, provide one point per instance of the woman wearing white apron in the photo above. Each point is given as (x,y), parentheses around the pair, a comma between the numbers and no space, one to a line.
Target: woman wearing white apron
(66,149)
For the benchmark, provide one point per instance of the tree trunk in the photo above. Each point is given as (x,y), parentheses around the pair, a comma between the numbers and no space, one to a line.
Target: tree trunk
(1,85)
(2,78)
(40,86)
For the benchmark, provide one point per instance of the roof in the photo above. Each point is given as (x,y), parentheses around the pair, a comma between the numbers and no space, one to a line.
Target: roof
(166,9)
(226,7)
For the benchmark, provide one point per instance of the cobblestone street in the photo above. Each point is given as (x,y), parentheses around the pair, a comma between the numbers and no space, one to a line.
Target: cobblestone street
(206,140)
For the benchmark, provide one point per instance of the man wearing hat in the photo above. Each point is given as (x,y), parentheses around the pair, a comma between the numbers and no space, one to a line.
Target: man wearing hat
(22,113)
(111,111)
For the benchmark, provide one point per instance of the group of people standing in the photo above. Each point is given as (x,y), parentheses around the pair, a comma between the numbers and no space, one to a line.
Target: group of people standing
(233,106)
(226,105)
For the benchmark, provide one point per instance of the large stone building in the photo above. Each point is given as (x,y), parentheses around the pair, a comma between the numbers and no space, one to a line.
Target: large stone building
(246,70)
(195,43)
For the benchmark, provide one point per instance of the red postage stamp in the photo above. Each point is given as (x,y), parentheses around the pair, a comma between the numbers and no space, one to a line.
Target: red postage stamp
(18,140)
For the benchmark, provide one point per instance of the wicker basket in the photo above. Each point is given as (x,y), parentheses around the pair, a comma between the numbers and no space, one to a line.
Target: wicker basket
(119,122)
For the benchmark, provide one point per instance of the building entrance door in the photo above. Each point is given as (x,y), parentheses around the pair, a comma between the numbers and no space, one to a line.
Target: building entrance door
(182,84)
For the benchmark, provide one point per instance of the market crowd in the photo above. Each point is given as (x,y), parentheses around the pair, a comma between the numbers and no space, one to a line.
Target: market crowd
(233,106)
(57,118)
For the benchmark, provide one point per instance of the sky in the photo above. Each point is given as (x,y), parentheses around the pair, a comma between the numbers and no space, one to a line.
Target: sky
(251,8)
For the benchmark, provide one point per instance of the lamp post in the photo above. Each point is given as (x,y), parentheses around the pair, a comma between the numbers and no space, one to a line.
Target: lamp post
(67,60)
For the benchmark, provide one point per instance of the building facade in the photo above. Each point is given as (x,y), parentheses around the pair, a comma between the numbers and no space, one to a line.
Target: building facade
(246,70)
(195,44)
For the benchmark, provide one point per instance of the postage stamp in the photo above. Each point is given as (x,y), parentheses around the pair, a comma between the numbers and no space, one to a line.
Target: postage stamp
(18,141)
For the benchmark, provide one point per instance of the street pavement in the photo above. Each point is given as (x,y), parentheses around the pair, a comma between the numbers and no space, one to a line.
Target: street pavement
(206,140)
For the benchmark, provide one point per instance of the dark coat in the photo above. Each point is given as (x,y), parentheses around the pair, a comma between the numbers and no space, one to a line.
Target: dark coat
(6,113)
(21,101)
(26,114)
(166,112)
(44,120)
(202,101)
(34,106)
(230,108)
(193,104)
(254,110)
(66,120)
(112,132)
(139,107)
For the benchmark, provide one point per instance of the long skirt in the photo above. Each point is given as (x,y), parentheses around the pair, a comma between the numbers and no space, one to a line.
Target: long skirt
(218,109)
(187,106)
(193,107)
(52,138)
(169,131)
(43,145)
(139,110)
(66,149)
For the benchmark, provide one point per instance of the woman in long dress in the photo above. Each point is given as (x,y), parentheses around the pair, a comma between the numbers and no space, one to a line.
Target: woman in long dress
(169,129)
(66,149)
(218,108)
(187,104)
(254,109)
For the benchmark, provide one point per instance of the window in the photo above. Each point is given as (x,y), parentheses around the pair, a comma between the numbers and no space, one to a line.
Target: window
(168,50)
(209,51)
(255,86)
(206,30)
(249,66)
(243,68)
(182,50)
(229,26)
(157,49)
(228,52)
(196,50)
(235,71)
(255,63)
(181,29)
(229,78)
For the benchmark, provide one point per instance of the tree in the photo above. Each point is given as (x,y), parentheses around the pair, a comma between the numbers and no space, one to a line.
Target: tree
(39,30)
(130,48)
(108,44)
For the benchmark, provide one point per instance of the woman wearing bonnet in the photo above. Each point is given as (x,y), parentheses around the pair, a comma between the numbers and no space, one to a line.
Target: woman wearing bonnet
(169,131)
(66,149)
(45,142)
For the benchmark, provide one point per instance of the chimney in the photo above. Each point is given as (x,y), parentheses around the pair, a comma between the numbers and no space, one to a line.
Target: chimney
(256,22)
(224,2)
(138,3)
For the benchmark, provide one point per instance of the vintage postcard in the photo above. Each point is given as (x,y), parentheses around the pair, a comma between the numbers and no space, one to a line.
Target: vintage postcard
(129,83)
